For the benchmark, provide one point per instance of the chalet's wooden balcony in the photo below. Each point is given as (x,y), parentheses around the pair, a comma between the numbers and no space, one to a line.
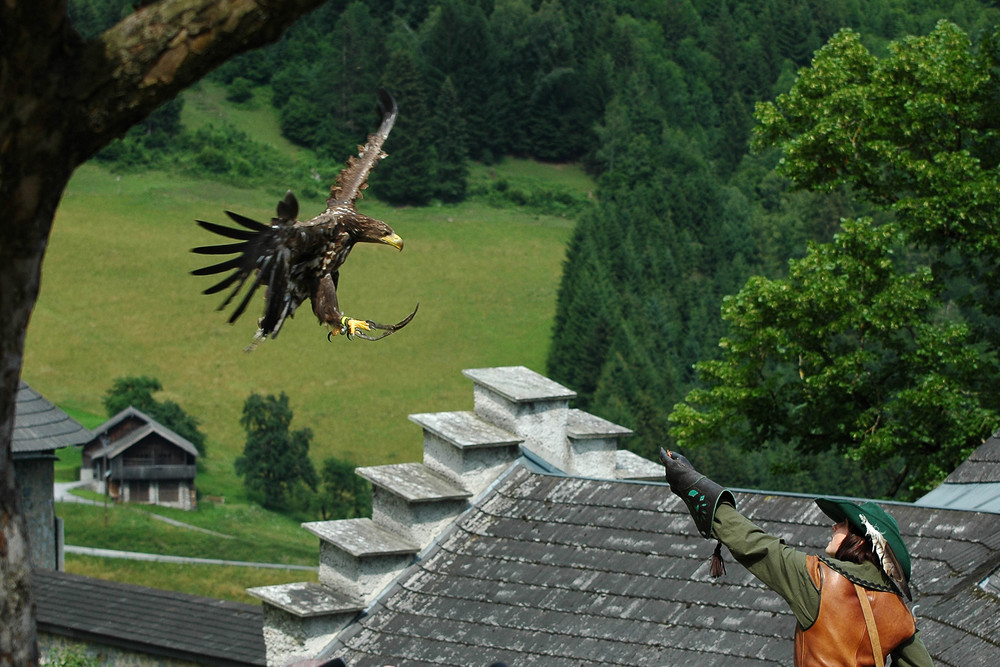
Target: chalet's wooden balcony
(123,472)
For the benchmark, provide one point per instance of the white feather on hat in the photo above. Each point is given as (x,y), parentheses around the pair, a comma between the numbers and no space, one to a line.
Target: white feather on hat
(887,559)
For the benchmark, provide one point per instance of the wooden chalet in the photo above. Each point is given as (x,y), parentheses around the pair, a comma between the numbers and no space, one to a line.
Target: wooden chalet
(135,459)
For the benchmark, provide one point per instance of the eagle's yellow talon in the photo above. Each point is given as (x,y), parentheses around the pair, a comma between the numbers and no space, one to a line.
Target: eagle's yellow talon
(353,325)
(350,326)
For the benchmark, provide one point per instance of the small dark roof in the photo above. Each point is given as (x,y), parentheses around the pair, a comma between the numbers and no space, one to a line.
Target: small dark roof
(982,466)
(149,620)
(115,448)
(562,571)
(39,426)
(974,485)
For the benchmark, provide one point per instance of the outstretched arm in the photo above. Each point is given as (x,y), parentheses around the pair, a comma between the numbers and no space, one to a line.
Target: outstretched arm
(778,566)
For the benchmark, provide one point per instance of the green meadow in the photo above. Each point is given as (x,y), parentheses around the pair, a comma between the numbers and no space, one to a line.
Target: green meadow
(117,299)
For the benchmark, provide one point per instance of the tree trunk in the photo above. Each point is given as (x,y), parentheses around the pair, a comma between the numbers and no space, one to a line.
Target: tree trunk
(61,100)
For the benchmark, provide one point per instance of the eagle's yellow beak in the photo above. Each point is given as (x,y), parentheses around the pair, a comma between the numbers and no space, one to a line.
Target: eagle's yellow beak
(392,239)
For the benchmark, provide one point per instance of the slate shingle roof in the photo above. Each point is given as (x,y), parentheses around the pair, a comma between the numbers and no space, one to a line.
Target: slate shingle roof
(39,426)
(560,571)
(149,620)
(983,465)
(974,484)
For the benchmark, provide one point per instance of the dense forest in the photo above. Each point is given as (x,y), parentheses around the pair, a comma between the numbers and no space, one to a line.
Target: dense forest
(657,98)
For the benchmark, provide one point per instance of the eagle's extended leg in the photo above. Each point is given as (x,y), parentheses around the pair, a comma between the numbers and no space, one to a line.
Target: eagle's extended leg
(327,309)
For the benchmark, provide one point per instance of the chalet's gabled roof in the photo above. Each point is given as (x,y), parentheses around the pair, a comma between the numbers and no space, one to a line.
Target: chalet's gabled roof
(116,447)
(39,426)
(559,571)
(148,620)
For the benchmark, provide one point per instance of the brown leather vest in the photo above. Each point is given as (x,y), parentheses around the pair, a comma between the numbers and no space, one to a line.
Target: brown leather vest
(839,637)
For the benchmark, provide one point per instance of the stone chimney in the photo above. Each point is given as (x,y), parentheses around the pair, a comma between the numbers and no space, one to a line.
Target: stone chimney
(412,503)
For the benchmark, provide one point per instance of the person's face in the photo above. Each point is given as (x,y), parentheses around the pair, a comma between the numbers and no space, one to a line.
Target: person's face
(840,531)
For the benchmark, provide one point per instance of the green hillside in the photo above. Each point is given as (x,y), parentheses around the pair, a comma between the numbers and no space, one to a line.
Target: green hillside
(117,299)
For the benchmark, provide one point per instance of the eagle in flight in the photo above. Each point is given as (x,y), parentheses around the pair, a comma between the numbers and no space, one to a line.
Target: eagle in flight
(297,260)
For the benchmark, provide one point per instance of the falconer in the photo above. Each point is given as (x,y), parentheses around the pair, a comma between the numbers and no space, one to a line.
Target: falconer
(848,604)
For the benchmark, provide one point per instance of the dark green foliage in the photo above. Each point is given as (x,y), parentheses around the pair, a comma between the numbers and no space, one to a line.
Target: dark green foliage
(405,177)
(657,100)
(343,494)
(240,90)
(137,392)
(648,268)
(878,345)
(275,465)
(146,141)
(449,146)
(456,42)
(92,17)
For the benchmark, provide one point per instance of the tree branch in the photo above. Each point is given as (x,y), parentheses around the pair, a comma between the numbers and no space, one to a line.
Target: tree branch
(154,53)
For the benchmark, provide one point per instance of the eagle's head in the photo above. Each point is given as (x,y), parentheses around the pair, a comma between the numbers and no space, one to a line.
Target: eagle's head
(376,231)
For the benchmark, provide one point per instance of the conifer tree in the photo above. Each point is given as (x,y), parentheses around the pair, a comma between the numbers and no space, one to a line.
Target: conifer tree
(451,168)
(405,177)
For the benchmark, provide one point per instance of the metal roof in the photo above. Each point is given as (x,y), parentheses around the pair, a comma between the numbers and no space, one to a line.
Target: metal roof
(39,426)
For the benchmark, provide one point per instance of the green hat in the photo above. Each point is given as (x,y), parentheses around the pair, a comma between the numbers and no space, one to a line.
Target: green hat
(871,520)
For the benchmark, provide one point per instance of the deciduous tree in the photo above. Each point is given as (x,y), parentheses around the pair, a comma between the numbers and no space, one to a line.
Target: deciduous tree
(881,344)
(275,464)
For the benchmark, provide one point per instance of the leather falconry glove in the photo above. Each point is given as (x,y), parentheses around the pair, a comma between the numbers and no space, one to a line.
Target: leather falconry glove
(701,496)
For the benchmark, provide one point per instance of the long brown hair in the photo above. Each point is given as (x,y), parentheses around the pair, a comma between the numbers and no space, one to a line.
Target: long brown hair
(856,548)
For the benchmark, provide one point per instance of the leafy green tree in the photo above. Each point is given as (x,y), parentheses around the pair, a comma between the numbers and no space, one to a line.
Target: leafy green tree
(846,354)
(275,464)
(915,133)
(137,391)
(343,494)
(240,90)
(880,345)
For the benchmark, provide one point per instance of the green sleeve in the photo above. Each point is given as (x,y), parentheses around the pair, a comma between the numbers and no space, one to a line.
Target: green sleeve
(912,654)
(780,567)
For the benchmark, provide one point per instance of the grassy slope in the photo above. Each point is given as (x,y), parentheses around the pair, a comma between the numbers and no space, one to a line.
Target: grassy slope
(117,300)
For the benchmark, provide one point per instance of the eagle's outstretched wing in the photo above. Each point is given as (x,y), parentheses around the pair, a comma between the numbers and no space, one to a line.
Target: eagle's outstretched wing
(353,180)
(262,249)
(298,260)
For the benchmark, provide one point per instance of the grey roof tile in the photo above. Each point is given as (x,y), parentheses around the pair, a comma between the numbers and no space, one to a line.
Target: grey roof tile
(165,623)
(983,465)
(39,426)
(555,570)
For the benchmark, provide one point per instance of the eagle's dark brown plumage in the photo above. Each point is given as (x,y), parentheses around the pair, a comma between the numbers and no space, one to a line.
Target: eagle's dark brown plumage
(298,260)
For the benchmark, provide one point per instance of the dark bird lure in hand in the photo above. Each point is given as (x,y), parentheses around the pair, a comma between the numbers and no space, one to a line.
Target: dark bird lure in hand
(297,260)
